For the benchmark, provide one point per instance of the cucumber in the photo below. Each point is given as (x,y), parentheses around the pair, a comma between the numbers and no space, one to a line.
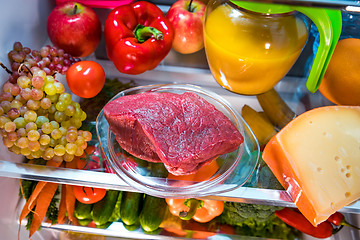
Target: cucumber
(105,225)
(84,222)
(131,204)
(152,213)
(103,209)
(157,170)
(115,216)
(83,211)
(132,227)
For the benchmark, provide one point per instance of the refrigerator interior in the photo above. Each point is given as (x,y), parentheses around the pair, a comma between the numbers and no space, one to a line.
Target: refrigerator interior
(25,21)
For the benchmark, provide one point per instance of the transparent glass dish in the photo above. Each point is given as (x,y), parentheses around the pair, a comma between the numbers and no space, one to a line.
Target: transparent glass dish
(234,170)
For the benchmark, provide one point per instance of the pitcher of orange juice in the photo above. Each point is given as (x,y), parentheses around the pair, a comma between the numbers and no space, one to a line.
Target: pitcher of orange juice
(251,46)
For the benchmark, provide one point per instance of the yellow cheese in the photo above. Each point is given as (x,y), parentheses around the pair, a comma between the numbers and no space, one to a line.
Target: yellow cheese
(316,157)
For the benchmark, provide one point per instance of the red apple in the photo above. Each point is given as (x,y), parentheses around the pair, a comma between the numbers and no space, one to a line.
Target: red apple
(75,28)
(187,18)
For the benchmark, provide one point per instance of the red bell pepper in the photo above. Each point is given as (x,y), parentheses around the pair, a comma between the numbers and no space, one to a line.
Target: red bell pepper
(200,210)
(297,220)
(338,219)
(138,37)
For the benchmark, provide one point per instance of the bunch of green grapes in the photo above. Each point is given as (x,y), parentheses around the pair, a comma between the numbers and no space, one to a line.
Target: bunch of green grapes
(38,119)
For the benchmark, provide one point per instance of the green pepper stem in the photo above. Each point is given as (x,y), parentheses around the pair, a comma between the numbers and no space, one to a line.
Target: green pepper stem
(345,223)
(193,205)
(143,33)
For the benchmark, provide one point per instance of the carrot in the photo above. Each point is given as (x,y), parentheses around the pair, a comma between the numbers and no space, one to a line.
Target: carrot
(62,206)
(70,196)
(70,203)
(42,204)
(30,204)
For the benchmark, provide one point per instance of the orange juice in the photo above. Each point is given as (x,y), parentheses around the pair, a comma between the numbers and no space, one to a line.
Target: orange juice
(249,53)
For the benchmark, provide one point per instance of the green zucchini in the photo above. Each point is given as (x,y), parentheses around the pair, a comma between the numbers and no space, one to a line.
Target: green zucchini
(103,209)
(115,216)
(152,213)
(83,211)
(131,204)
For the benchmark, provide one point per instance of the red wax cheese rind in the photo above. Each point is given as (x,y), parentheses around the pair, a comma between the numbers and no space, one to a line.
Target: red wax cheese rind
(183,131)
(316,158)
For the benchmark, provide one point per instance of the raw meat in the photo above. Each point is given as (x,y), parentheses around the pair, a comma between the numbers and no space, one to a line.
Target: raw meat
(183,131)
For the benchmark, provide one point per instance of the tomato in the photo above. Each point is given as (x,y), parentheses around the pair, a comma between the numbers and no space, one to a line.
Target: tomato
(93,159)
(89,160)
(88,195)
(85,78)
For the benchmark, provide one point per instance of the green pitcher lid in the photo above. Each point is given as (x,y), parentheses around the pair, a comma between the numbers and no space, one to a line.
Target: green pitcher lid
(267,8)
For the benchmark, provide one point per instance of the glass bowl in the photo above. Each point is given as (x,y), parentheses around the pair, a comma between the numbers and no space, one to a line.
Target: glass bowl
(234,170)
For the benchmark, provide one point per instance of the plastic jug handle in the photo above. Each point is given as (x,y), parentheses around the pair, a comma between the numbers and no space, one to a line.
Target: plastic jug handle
(322,21)
(336,21)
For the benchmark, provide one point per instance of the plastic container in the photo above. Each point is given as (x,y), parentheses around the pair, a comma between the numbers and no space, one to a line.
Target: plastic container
(235,168)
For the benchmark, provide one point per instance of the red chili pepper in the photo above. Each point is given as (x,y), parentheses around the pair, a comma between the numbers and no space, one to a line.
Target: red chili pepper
(338,219)
(138,36)
(298,221)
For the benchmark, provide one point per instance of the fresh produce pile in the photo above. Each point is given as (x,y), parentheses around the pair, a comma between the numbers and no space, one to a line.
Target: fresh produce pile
(42,122)
(38,118)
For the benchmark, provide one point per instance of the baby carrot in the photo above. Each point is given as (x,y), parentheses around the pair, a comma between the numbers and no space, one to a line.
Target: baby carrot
(62,206)
(42,203)
(70,203)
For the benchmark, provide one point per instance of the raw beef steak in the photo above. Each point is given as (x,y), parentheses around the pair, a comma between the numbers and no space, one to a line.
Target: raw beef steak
(183,131)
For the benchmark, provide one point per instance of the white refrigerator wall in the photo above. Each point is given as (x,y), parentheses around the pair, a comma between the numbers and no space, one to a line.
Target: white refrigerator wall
(25,21)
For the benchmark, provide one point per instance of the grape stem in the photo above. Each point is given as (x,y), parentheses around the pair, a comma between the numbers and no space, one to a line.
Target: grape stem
(20,68)
(5,68)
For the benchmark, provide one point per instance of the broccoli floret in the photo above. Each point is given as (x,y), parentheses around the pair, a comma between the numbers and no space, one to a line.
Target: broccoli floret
(256,220)
(236,213)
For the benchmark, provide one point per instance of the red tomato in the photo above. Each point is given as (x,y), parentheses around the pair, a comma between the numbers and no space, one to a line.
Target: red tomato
(85,78)
(89,195)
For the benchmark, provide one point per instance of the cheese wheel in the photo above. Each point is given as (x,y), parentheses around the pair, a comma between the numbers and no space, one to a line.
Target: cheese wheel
(316,157)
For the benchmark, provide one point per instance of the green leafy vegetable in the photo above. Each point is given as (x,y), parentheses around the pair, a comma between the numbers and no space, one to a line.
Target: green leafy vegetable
(256,220)
(92,106)
(27,188)
(53,210)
